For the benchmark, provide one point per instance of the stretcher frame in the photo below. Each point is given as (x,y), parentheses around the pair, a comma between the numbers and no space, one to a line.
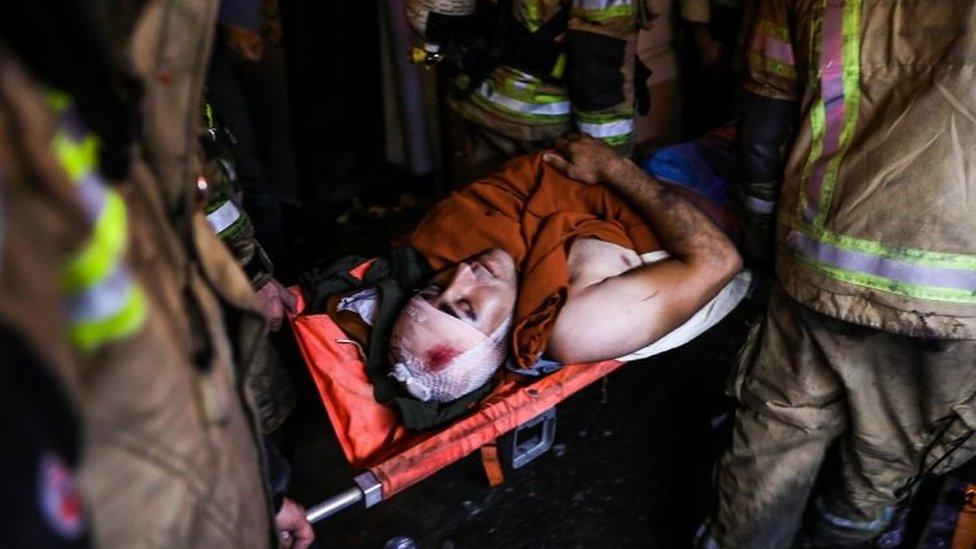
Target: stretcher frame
(526,409)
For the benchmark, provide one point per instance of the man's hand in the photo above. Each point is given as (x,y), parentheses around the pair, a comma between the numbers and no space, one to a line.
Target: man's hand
(294,530)
(244,43)
(274,299)
(584,158)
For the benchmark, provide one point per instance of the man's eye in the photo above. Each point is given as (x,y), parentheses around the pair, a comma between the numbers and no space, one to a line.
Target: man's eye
(468,310)
(431,291)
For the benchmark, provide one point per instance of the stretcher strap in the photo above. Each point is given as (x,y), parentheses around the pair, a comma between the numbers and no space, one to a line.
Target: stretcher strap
(965,536)
(493,467)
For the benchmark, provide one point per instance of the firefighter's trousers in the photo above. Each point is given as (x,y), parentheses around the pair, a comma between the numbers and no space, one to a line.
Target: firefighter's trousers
(887,407)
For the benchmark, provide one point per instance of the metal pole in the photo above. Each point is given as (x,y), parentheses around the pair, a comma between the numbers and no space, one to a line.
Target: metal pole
(335,504)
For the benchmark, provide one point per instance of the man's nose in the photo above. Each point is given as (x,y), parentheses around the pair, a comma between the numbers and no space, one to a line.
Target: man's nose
(459,283)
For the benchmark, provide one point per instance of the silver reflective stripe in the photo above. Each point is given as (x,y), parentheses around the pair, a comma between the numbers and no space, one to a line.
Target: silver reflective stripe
(560,108)
(92,193)
(890,268)
(607,129)
(758,205)
(875,525)
(224,216)
(101,301)
(601,4)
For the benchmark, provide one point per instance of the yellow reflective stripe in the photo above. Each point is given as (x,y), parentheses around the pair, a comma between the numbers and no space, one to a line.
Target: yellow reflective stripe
(602,117)
(208,113)
(883,284)
(89,335)
(98,257)
(908,255)
(77,158)
(601,15)
(57,101)
(531,14)
(772,29)
(522,86)
(768,65)
(560,67)
(851,78)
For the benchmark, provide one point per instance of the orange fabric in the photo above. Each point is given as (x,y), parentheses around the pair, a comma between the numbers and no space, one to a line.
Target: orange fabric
(965,535)
(371,434)
(493,467)
(534,213)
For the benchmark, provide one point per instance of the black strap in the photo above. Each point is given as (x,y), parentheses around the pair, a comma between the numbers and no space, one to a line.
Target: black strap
(477,44)
(535,52)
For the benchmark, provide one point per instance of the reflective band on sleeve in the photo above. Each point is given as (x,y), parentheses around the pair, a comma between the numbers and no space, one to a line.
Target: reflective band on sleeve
(224,216)
(103,250)
(101,301)
(57,101)
(771,51)
(886,273)
(89,335)
(773,48)
(607,129)
(515,106)
(601,10)
(771,66)
(876,525)
(77,158)
(834,115)
(601,4)
(99,297)
(758,205)
(92,193)
(529,13)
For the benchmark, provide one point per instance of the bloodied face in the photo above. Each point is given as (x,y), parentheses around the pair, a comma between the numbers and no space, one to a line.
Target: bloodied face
(451,337)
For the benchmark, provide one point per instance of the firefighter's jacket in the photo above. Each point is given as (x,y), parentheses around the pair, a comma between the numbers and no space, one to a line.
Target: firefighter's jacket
(596,95)
(125,290)
(875,217)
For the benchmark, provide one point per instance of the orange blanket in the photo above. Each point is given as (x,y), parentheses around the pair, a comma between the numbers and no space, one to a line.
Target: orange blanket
(534,213)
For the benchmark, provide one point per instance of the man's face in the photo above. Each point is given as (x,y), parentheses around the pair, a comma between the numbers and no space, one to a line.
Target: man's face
(480,291)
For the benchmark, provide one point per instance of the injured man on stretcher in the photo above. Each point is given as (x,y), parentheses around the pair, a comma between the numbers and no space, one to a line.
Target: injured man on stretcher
(568,256)
(572,255)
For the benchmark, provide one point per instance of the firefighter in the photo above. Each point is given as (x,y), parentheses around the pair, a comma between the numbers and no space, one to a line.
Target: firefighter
(114,281)
(869,341)
(227,215)
(527,71)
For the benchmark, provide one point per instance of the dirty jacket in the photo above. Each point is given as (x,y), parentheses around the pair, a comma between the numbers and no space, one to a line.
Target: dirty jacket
(534,213)
(178,432)
(875,219)
(147,320)
(596,95)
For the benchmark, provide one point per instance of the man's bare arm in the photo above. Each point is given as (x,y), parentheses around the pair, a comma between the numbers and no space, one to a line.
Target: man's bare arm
(640,306)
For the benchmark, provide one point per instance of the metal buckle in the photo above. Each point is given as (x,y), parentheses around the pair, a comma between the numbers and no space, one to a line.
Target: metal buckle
(526,450)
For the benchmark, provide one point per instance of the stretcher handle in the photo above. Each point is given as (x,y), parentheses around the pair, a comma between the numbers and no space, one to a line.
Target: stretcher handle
(367,490)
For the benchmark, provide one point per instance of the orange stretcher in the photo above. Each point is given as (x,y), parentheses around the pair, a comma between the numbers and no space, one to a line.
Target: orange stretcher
(391,457)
